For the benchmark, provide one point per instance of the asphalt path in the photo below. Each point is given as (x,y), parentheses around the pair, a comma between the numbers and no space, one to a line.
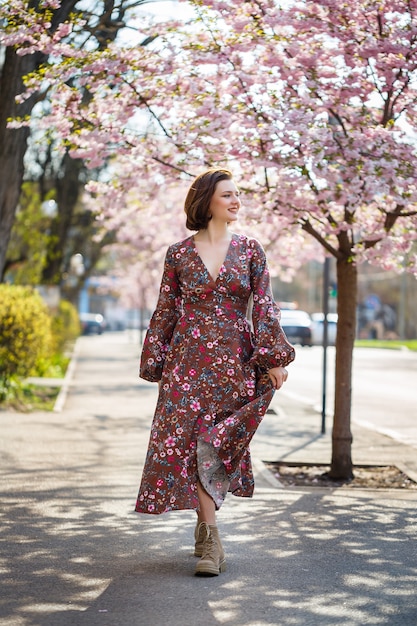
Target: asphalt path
(384,388)
(73,552)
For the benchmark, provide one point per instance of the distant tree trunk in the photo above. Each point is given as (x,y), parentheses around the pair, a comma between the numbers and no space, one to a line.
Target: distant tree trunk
(67,185)
(12,142)
(341,464)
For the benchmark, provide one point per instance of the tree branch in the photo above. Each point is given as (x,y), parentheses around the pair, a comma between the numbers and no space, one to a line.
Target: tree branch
(309,228)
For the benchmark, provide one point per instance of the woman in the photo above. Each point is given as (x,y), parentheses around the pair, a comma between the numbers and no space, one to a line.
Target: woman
(216,377)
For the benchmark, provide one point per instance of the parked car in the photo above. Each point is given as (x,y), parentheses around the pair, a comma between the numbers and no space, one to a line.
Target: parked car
(92,323)
(317,328)
(297,326)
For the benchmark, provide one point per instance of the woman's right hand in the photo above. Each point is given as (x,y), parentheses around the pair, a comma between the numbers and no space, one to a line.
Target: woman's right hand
(278,376)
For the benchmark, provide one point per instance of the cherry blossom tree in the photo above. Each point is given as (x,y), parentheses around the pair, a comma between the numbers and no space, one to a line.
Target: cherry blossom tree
(34,36)
(311,104)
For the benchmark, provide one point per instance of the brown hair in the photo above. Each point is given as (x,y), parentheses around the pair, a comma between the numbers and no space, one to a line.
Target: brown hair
(197,202)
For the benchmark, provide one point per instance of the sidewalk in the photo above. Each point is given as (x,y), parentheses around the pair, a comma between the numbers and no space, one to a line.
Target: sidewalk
(74,552)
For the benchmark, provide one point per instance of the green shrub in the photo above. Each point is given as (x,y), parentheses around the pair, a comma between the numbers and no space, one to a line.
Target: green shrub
(25,333)
(65,326)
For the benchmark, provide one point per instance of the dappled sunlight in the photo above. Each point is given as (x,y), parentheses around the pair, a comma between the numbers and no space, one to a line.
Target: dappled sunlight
(293,557)
(74,551)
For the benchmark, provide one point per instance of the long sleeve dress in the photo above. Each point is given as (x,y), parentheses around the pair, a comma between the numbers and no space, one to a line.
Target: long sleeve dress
(212,368)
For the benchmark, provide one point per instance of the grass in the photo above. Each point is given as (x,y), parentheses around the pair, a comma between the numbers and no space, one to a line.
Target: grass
(391,344)
(24,397)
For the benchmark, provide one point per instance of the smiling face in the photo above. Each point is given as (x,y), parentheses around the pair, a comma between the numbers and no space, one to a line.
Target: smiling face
(212,194)
(225,202)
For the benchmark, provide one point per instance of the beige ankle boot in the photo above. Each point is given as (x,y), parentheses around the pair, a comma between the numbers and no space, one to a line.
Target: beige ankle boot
(212,561)
(200,534)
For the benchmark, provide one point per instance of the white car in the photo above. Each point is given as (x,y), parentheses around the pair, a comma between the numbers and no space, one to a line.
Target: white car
(317,328)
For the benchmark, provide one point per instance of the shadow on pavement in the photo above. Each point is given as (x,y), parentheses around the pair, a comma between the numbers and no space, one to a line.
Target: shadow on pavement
(73,552)
(296,558)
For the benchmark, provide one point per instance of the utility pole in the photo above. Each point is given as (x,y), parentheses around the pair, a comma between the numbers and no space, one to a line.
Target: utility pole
(326,285)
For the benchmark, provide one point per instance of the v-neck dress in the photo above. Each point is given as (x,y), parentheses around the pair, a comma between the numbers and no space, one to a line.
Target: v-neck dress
(212,367)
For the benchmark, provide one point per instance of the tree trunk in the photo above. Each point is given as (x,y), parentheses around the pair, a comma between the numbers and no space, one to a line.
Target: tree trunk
(67,185)
(12,142)
(341,465)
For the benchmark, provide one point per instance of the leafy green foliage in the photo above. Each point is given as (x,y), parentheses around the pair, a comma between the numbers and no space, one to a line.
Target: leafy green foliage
(25,333)
(65,326)
(26,252)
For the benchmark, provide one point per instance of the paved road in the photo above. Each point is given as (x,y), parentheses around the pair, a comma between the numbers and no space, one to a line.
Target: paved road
(74,553)
(384,388)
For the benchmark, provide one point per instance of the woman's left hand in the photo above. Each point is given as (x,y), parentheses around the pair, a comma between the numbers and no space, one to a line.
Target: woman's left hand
(278,376)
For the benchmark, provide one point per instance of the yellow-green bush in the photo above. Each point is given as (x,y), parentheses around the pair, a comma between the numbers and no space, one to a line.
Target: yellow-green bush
(65,326)
(25,332)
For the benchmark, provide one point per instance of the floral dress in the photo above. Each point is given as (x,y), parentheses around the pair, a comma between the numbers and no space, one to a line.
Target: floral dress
(212,368)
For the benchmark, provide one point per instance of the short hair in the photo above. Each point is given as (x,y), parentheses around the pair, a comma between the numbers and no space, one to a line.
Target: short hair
(197,201)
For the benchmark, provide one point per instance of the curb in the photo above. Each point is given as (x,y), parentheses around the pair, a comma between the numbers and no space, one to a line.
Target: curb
(63,392)
(260,471)
(405,469)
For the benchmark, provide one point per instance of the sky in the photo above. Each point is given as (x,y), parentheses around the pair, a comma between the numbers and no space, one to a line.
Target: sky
(168,8)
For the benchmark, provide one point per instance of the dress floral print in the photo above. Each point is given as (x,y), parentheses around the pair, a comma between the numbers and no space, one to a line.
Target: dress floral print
(212,368)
